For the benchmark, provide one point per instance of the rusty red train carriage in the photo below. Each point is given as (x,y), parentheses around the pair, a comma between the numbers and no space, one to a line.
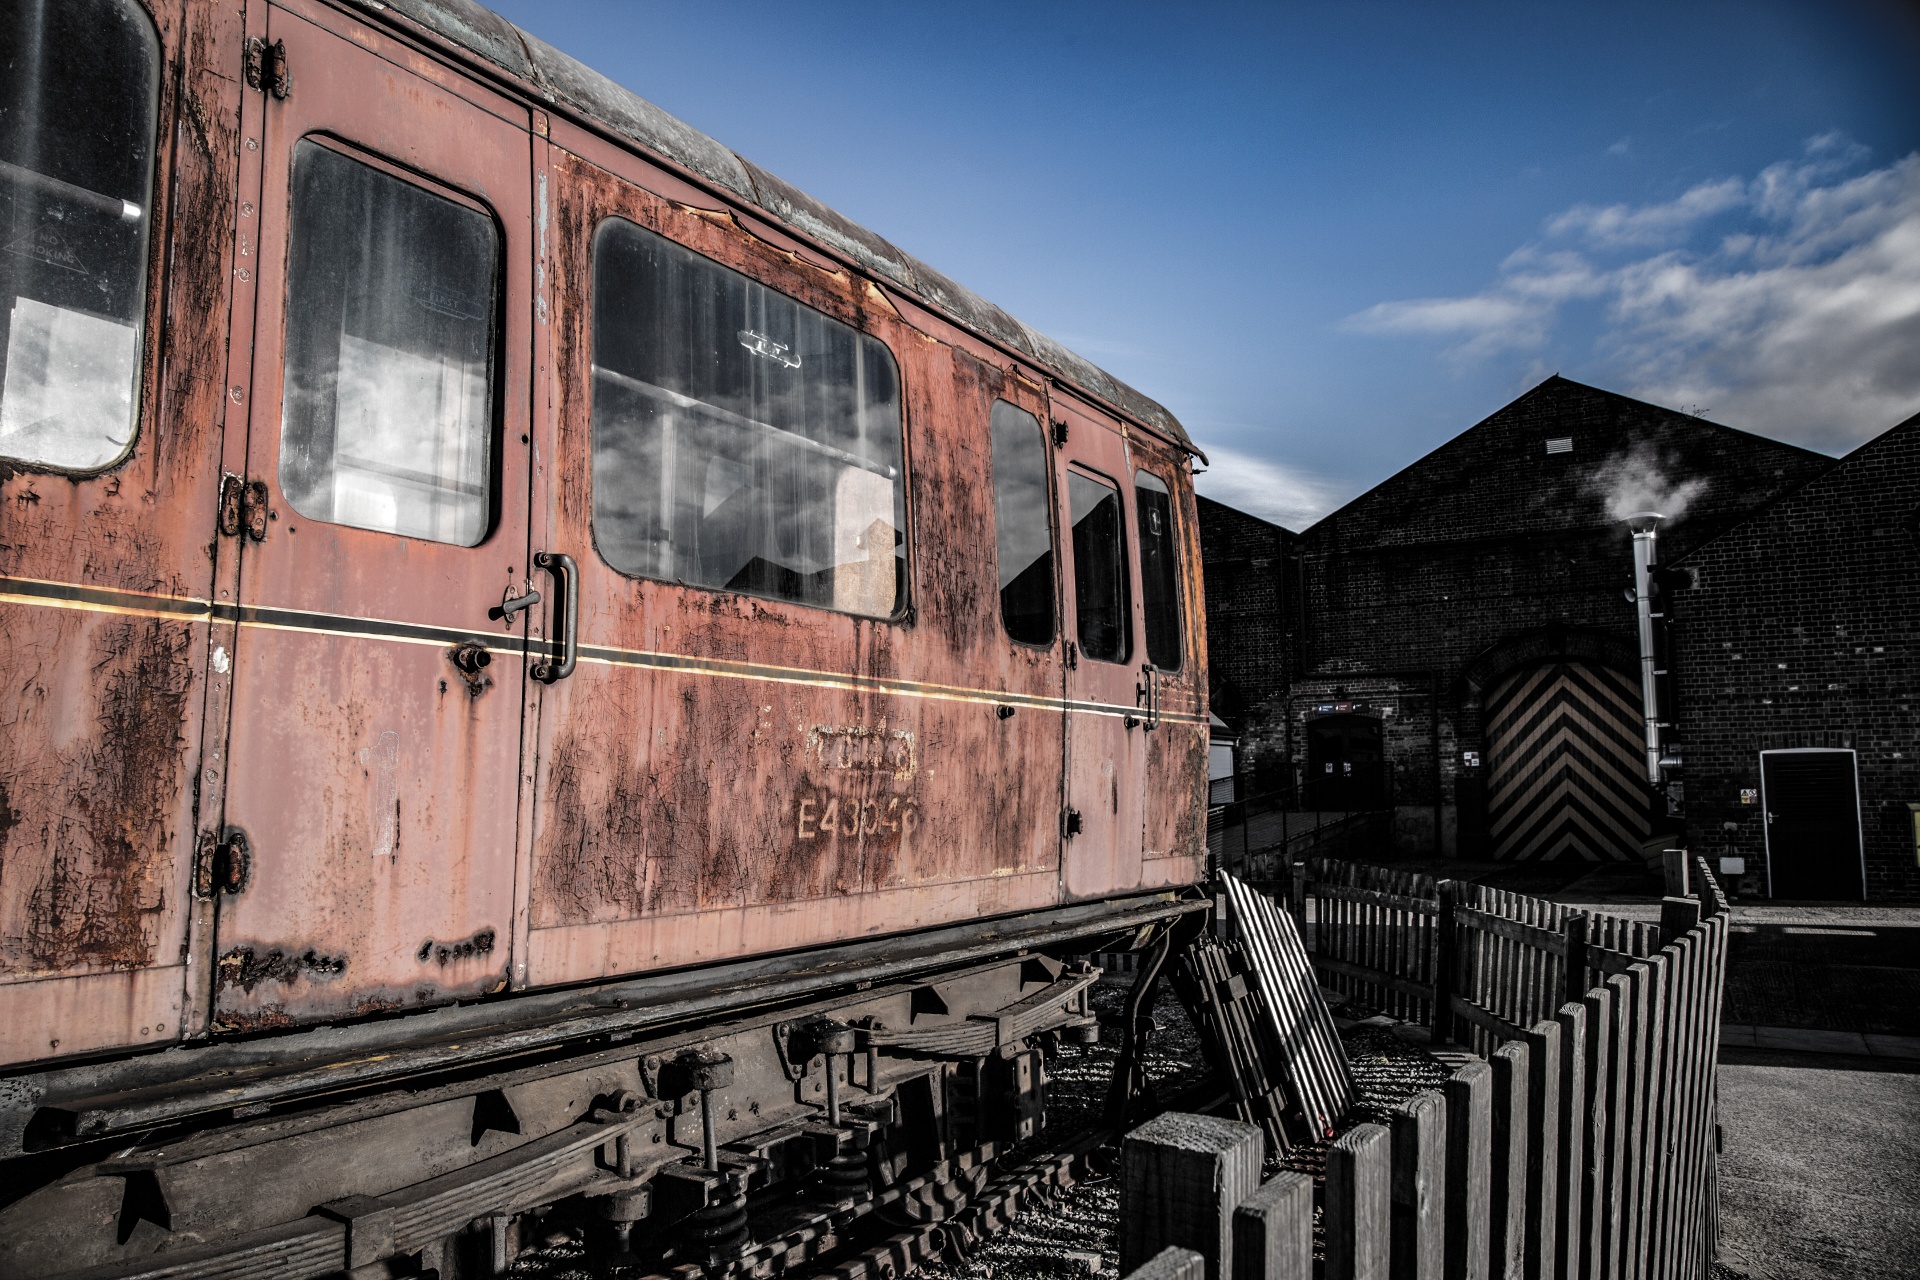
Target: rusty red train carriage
(479,557)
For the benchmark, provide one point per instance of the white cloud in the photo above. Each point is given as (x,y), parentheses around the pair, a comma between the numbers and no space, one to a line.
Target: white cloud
(1516,315)
(1651,224)
(1788,303)
(1289,498)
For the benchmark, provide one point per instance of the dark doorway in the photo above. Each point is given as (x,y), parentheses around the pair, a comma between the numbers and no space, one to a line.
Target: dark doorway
(1811,797)
(1346,763)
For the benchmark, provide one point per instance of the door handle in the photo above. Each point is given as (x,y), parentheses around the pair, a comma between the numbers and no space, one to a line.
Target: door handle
(566,578)
(507,608)
(1147,695)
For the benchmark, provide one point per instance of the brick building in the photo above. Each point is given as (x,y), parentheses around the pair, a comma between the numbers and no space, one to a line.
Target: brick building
(1251,570)
(1794,634)
(1454,642)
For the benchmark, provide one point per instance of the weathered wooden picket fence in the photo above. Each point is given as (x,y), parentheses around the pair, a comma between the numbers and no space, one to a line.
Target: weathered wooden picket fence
(1578,1143)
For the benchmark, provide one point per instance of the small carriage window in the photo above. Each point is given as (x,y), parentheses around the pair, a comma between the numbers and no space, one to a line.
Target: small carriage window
(1023,524)
(75,181)
(740,440)
(1100,597)
(1159,570)
(387,414)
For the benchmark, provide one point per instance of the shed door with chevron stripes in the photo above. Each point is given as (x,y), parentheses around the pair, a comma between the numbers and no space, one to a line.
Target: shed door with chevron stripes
(1565,764)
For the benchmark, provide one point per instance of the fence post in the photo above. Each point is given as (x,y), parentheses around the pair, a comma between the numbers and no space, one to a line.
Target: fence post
(1420,1187)
(1574,975)
(1444,963)
(1180,1178)
(1574,1123)
(1596,1198)
(1543,1150)
(1508,1203)
(1677,915)
(1649,1141)
(1674,863)
(1171,1263)
(1628,1057)
(1469,1169)
(1273,1231)
(1359,1218)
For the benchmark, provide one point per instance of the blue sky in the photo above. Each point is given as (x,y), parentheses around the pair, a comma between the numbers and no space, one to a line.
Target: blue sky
(1331,236)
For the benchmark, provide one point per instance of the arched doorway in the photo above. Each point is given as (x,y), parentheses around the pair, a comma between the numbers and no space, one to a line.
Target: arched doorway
(1346,763)
(1565,767)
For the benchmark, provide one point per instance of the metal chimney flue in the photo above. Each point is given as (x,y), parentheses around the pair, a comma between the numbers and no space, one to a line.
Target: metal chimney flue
(1645,526)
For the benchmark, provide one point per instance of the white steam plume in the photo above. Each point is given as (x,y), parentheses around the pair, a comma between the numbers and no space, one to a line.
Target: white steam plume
(1635,479)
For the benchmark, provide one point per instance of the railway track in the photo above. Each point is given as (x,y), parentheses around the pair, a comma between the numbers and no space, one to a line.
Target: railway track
(941,1216)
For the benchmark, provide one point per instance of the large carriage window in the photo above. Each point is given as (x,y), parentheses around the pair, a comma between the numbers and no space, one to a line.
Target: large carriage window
(386,417)
(740,440)
(1100,597)
(1159,570)
(1022,524)
(77,90)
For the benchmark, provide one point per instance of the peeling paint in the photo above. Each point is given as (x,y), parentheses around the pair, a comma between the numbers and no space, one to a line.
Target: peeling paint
(245,968)
(445,953)
(865,748)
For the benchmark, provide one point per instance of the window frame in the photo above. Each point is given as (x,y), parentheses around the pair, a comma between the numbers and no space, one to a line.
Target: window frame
(496,338)
(152,278)
(903,609)
(1173,546)
(1053,533)
(1128,563)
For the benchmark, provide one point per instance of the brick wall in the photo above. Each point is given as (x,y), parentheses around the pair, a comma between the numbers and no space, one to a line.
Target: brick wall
(1799,629)
(1247,563)
(1487,554)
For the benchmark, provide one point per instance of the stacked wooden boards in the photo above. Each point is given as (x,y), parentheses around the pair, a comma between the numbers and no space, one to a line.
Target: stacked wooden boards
(1261,1013)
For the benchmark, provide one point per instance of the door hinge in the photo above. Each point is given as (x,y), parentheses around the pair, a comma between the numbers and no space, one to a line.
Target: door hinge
(223,866)
(253,506)
(267,67)
(1070,824)
(1059,431)
(1072,652)
(243,505)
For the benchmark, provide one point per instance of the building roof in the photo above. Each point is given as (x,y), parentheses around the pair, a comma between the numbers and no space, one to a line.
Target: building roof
(1872,487)
(576,88)
(1545,464)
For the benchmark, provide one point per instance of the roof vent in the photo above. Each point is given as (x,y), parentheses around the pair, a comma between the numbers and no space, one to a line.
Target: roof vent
(1560,444)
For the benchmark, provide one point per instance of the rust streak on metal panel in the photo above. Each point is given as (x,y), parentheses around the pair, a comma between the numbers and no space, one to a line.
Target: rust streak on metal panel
(91,771)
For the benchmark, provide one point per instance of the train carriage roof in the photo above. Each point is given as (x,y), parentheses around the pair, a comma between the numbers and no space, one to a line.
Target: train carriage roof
(567,82)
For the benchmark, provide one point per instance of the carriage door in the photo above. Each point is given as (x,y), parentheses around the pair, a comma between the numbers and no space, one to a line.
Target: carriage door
(1106,750)
(377,682)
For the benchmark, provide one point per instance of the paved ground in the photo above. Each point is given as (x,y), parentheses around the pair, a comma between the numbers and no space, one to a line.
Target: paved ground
(1820,1176)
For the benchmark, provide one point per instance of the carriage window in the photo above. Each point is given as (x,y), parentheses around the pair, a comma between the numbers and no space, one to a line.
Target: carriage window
(1159,570)
(1099,568)
(1022,524)
(740,440)
(75,182)
(387,417)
